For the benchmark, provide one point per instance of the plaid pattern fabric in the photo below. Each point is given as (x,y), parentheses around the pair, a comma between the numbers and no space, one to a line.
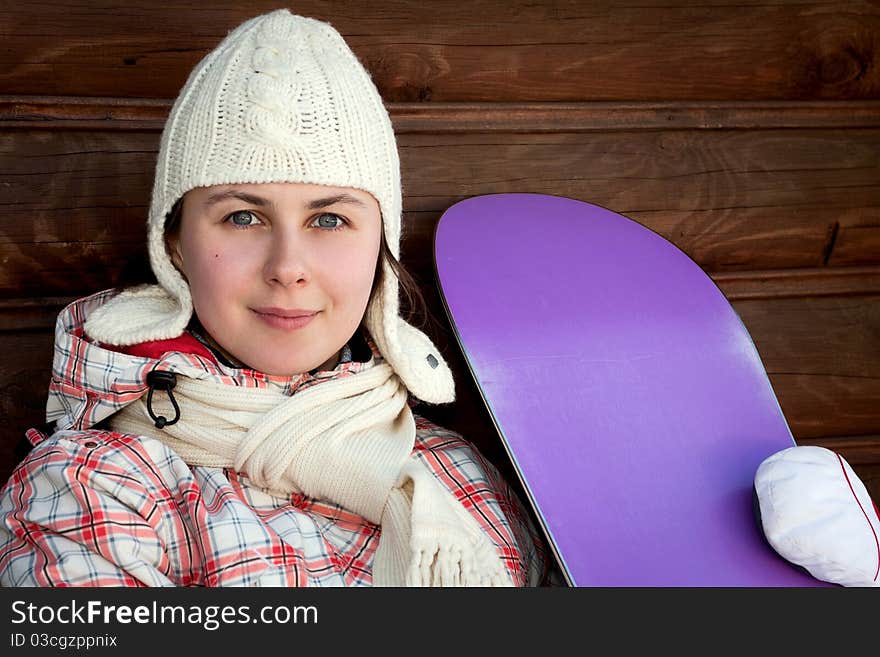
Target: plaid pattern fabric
(91,507)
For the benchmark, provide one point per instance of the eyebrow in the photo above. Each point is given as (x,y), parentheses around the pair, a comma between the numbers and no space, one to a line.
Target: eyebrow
(253,199)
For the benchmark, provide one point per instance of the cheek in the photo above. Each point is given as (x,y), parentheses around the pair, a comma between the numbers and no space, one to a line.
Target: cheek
(347,277)
(211,270)
(357,268)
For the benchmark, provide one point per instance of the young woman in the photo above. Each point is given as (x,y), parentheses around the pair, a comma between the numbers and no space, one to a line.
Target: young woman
(249,420)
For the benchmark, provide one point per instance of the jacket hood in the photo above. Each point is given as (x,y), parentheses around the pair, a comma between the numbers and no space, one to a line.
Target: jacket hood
(91,381)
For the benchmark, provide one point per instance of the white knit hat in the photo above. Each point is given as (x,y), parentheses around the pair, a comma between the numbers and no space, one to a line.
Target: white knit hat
(281,99)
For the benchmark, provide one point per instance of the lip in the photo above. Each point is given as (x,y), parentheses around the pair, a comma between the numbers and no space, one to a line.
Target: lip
(285,319)
(285,312)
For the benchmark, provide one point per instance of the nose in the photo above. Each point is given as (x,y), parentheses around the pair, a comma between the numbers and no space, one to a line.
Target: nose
(287,260)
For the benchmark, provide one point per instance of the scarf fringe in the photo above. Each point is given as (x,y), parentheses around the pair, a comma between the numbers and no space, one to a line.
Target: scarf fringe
(443,564)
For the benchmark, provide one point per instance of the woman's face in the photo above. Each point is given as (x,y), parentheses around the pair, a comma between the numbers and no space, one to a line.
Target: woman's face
(258,255)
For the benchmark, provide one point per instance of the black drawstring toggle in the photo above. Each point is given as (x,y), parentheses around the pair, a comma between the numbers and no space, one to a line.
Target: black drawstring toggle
(162,381)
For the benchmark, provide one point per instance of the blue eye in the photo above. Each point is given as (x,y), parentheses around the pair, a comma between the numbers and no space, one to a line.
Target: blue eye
(242,219)
(329,215)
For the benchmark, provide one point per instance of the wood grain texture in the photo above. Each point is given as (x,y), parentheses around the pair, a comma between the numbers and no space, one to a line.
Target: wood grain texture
(495,50)
(733,200)
(25,372)
(801,282)
(130,114)
(823,359)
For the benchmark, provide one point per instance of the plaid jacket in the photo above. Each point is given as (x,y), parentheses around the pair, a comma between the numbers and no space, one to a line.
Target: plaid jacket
(91,507)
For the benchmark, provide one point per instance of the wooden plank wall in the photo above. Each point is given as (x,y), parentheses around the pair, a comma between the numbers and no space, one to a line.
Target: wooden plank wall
(748,134)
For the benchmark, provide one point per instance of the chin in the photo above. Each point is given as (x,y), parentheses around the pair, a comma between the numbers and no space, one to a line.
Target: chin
(294,369)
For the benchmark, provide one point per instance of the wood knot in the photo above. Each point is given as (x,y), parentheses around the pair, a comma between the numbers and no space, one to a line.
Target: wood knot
(842,72)
(843,67)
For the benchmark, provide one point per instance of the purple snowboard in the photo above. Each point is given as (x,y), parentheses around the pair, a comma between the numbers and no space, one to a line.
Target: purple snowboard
(627,391)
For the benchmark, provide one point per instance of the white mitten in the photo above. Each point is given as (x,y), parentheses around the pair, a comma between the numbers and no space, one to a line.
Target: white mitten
(817,513)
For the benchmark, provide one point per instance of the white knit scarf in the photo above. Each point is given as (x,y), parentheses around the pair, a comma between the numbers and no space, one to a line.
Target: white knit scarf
(348,440)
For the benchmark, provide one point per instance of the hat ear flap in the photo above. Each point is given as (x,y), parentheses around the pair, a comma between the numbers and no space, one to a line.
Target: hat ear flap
(410,352)
(139,314)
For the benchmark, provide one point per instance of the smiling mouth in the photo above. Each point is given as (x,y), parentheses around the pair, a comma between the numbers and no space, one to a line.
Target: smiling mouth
(287,314)
(285,323)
